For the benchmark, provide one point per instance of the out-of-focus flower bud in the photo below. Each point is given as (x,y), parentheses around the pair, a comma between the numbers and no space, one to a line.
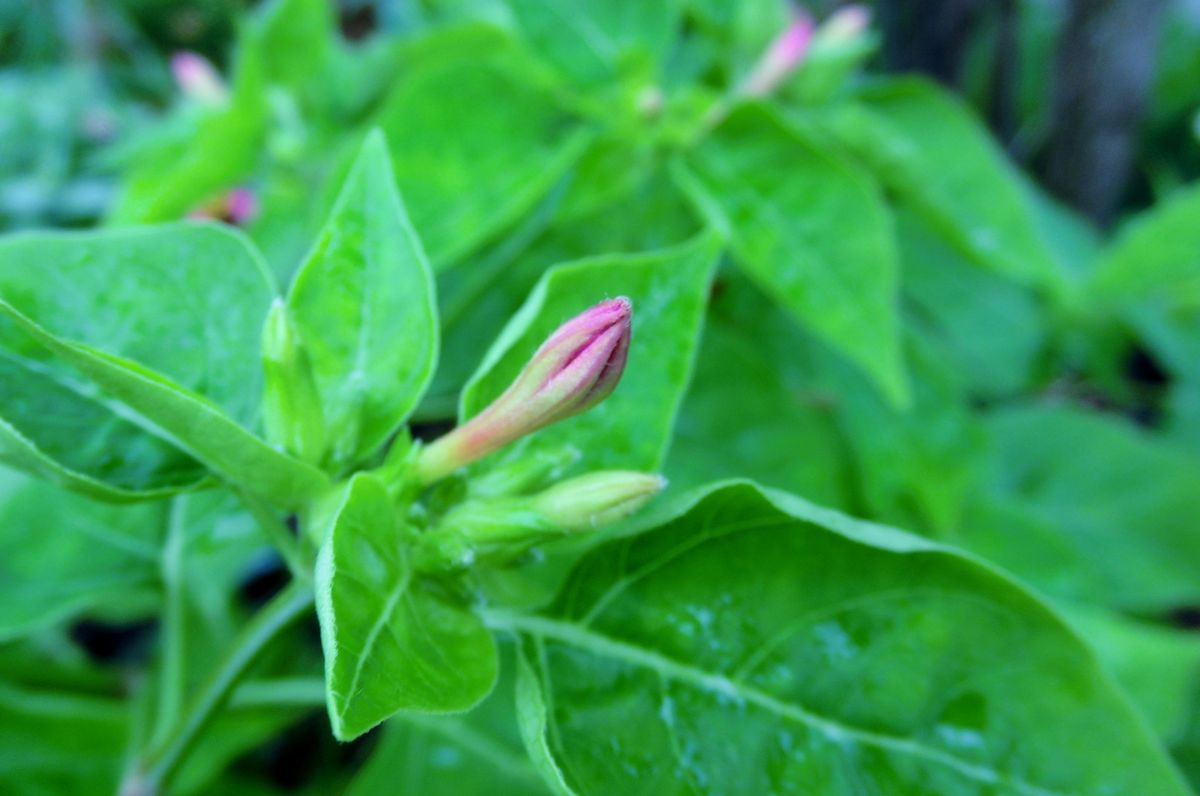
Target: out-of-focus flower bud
(575,369)
(197,78)
(597,499)
(291,404)
(845,24)
(781,57)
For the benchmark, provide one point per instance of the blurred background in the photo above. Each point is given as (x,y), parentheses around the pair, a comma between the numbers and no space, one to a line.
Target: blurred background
(1036,163)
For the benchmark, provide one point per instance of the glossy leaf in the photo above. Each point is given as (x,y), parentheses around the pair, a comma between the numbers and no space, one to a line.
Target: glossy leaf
(1087,507)
(927,147)
(815,236)
(632,427)
(187,420)
(393,641)
(364,306)
(751,642)
(475,754)
(461,189)
(184,300)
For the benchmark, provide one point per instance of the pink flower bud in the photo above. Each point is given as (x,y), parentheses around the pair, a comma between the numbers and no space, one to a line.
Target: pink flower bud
(781,58)
(241,206)
(575,369)
(198,79)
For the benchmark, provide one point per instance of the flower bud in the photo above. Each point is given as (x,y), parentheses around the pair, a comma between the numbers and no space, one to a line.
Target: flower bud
(497,531)
(845,24)
(596,499)
(198,79)
(781,57)
(575,369)
(291,405)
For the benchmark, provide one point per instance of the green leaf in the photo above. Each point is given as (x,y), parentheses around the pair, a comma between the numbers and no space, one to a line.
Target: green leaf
(631,429)
(62,555)
(364,306)
(815,236)
(989,330)
(212,149)
(186,420)
(184,300)
(57,742)
(1089,508)
(590,40)
(477,754)
(927,147)
(751,642)
(393,640)
(1157,254)
(754,404)
(503,156)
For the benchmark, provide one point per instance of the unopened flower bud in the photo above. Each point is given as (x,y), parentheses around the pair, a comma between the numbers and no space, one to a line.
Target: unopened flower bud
(197,78)
(496,531)
(845,24)
(291,404)
(597,499)
(575,369)
(781,57)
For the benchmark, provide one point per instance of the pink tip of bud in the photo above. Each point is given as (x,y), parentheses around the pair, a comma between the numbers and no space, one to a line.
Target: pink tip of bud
(577,367)
(197,78)
(241,205)
(846,23)
(781,57)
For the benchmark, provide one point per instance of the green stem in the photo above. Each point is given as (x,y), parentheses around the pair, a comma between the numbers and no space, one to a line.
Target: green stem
(281,536)
(174,652)
(267,624)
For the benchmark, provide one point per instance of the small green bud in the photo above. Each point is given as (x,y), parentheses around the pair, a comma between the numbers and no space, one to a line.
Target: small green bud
(597,499)
(291,405)
(491,531)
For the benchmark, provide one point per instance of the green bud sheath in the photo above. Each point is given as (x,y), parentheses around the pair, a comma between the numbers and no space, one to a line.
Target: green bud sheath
(291,405)
(597,499)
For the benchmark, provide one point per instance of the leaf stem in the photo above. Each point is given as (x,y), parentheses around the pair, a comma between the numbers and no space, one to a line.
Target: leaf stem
(154,772)
(280,535)
(174,649)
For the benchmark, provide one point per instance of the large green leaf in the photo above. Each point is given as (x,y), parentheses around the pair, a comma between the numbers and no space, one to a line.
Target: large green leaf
(754,409)
(927,147)
(989,329)
(393,640)
(184,300)
(811,231)
(1089,508)
(186,420)
(62,555)
(364,306)
(590,40)
(754,643)
(510,140)
(477,754)
(631,428)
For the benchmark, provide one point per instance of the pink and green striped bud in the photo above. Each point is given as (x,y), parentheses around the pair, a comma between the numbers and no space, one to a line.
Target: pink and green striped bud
(197,78)
(575,369)
(597,499)
(782,57)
